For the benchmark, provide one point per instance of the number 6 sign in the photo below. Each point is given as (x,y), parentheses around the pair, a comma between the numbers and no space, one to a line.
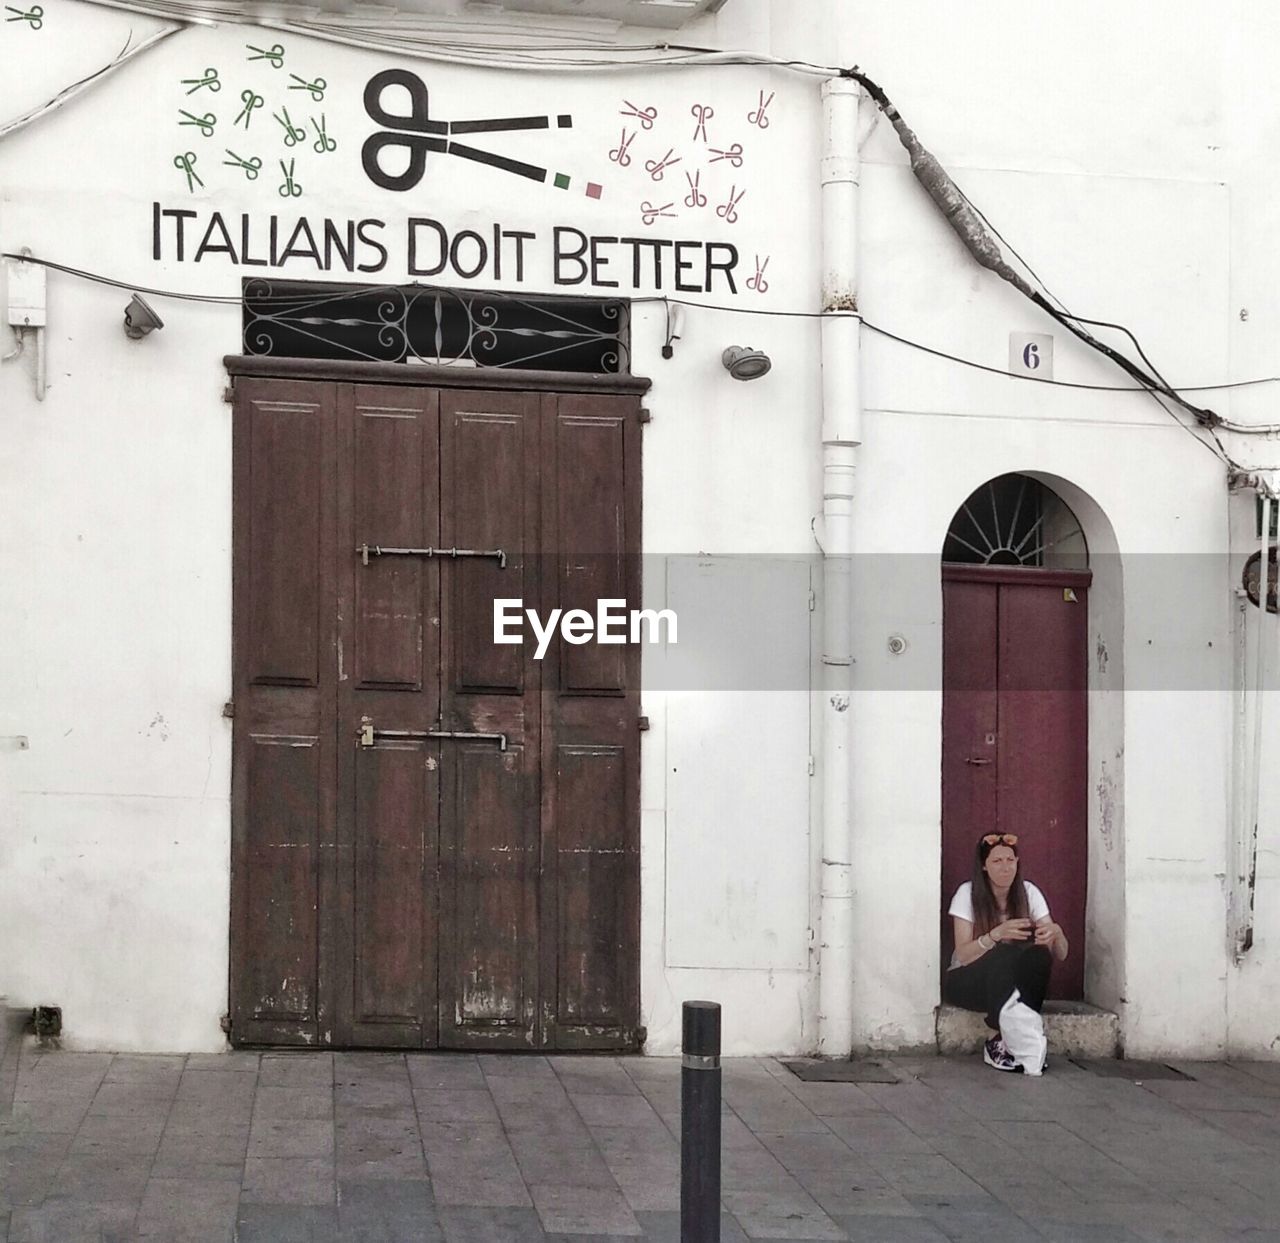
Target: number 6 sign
(1031,353)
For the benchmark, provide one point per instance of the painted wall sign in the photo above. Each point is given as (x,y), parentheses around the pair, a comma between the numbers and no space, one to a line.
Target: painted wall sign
(237,150)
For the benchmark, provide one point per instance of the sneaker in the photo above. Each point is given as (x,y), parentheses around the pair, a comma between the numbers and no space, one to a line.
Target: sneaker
(998,1057)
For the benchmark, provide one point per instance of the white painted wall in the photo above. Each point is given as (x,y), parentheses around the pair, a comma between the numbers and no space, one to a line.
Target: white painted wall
(1128,161)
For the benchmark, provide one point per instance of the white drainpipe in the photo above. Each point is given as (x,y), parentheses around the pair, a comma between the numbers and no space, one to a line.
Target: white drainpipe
(841,434)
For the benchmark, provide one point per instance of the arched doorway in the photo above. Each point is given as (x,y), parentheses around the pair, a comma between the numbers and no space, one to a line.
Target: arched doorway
(1015,582)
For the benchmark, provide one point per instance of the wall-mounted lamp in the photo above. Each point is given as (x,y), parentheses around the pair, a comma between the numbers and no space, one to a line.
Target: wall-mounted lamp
(140,319)
(745,363)
(675,328)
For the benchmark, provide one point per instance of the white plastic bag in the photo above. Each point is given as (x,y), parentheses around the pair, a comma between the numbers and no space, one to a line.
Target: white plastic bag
(1023,1032)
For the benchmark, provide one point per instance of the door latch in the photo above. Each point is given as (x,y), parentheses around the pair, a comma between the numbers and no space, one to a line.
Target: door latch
(976,761)
(369,735)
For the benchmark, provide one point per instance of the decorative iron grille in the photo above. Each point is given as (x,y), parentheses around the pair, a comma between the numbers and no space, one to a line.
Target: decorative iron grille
(432,324)
(1016,520)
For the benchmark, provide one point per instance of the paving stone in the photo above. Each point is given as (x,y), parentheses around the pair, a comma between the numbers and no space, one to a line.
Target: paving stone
(286,1223)
(289,1102)
(194,1119)
(809,1150)
(445,1072)
(291,1138)
(516,1065)
(664,1227)
(289,1180)
(874,1228)
(102,1178)
(454,1105)
(134,1098)
(203,1158)
(771,1215)
(556,1164)
(1057,1231)
(183,1210)
(296,1070)
(221,1087)
(614,1110)
(583,1210)
(381,1149)
(878,1133)
(387,1212)
(122,1135)
(917,1174)
(144,1068)
(462,1224)
(73,1221)
(230,1060)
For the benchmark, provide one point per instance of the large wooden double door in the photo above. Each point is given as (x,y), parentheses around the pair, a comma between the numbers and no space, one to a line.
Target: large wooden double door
(435,837)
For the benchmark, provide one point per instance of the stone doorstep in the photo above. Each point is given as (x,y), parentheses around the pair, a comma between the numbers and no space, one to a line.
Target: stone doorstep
(1074,1028)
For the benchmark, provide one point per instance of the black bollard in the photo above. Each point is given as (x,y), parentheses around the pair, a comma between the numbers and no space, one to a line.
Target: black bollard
(700,1124)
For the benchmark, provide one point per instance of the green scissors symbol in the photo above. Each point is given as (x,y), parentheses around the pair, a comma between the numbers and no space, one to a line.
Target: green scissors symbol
(275,54)
(251,166)
(206,122)
(210,80)
(187,163)
(317,88)
(33,17)
(290,188)
(323,142)
(292,134)
(250,101)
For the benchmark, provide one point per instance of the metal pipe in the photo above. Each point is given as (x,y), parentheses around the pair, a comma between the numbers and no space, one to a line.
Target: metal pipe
(841,434)
(1259,682)
(700,1123)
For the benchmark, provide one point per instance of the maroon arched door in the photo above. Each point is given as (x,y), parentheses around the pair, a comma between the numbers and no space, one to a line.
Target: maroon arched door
(1015,735)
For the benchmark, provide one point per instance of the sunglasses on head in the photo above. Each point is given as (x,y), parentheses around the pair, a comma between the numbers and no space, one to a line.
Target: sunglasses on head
(1000,839)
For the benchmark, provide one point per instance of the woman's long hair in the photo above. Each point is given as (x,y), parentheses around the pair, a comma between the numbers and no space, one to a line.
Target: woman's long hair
(985,916)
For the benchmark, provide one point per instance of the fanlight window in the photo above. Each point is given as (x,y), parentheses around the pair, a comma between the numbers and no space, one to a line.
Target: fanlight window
(1016,520)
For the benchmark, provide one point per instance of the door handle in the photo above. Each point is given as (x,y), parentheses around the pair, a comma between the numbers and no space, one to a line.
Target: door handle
(976,761)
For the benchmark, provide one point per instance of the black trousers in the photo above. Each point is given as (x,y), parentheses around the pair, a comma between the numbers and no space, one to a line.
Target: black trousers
(987,983)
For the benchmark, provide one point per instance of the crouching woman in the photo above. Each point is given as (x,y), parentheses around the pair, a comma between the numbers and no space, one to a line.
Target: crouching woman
(1005,946)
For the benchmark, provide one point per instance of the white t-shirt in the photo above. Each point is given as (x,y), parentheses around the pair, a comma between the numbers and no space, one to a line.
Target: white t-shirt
(962,903)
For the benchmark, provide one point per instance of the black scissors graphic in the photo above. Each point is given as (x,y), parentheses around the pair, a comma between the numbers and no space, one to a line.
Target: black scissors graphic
(419,133)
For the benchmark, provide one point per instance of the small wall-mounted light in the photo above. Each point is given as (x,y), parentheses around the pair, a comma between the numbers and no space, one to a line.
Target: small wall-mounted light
(745,363)
(675,328)
(140,319)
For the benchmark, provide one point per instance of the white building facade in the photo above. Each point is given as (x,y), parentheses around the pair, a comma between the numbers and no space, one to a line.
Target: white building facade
(793,769)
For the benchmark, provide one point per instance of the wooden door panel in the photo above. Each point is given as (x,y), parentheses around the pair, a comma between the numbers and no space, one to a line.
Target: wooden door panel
(489,973)
(489,484)
(391,497)
(283,797)
(1043,762)
(385,913)
(394,898)
(969,732)
(591,518)
(489,489)
(591,866)
(591,742)
(283,557)
(279,980)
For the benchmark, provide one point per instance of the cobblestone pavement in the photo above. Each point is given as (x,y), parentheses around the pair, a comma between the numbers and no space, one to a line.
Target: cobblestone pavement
(375,1148)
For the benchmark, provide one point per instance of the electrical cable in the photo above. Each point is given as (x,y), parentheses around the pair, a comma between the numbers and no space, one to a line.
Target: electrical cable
(306,298)
(68,93)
